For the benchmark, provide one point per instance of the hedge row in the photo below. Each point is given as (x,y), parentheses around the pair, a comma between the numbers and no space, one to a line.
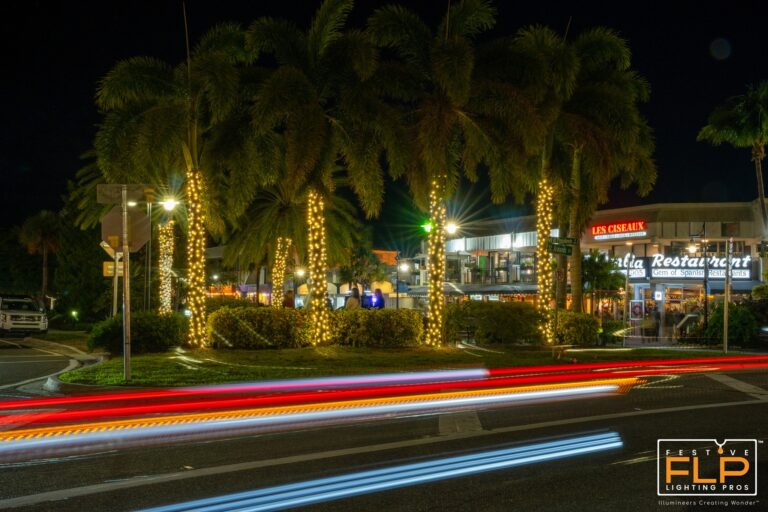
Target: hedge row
(576,328)
(492,322)
(150,332)
(257,328)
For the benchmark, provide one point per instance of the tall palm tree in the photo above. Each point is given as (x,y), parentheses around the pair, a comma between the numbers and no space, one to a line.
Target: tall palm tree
(40,235)
(742,121)
(320,101)
(454,118)
(603,134)
(163,123)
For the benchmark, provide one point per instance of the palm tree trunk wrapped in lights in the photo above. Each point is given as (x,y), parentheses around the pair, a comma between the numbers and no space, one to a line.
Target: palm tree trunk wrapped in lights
(544,259)
(278,270)
(165,236)
(195,258)
(436,263)
(319,317)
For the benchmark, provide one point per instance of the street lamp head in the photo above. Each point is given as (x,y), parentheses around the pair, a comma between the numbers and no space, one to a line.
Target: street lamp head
(451,228)
(169,204)
(132,203)
(404,267)
(215,277)
(300,272)
(692,248)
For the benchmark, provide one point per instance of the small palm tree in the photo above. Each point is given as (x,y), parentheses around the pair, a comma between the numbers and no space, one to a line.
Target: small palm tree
(40,235)
(742,121)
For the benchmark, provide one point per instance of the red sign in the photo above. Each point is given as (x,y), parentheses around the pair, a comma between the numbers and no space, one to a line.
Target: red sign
(616,228)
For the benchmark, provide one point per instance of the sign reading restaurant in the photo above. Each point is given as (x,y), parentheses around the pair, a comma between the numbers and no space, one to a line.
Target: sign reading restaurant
(614,230)
(684,267)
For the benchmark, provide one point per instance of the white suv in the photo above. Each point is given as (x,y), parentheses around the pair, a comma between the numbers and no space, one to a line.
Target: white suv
(22,315)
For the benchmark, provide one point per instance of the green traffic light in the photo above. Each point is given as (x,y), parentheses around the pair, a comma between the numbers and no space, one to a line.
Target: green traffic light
(427,227)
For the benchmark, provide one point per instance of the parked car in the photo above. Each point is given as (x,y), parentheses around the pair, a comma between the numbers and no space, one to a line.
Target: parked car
(22,314)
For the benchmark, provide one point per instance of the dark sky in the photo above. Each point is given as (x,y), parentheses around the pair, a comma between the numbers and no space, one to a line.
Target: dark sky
(694,54)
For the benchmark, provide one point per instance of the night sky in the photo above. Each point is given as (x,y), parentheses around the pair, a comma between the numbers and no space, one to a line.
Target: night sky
(695,54)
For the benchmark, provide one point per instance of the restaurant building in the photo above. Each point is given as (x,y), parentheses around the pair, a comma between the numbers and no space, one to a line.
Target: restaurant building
(674,253)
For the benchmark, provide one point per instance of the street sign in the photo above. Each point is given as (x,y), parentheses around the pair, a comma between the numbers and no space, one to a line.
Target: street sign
(108,269)
(562,240)
(138,229)
(559,249)
(113,193)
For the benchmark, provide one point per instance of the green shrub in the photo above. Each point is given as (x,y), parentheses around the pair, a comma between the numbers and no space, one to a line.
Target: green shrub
(215,303)
(576,328)
(610,327)
(742,324)
(150,332)
(377,328)
(760,292)
(261,327)
(492,322)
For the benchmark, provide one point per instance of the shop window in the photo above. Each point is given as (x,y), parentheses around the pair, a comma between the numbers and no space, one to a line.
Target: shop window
(730,229)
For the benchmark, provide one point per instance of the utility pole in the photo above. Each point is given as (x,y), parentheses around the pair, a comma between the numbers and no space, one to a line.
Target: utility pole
(126,290)
(727,298)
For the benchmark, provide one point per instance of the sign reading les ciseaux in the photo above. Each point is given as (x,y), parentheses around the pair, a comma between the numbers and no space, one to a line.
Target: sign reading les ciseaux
(613,230)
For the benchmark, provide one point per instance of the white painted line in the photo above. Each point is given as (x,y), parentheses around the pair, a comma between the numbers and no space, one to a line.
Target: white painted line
(35,361)
(10,343)
(739,385)
(460,422)
(140,481)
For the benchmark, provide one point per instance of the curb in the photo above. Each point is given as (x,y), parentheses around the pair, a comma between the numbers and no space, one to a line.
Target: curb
(52,384)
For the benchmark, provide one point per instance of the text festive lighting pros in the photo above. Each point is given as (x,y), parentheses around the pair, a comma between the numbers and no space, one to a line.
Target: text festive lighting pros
(165,235)
(319,316)
(436,262)
(544,259)
(196,258)
(278,270)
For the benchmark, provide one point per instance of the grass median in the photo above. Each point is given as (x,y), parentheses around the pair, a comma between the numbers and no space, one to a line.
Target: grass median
(182,367)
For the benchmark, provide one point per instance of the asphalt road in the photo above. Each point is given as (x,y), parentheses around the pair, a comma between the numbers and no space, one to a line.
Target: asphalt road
(691,406)
(20,363)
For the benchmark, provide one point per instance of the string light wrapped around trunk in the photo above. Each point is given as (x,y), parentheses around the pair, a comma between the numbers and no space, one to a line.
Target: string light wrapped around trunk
(195,258)
(319,316)
(436,263)
(278,270)
(166,240)
(544,207)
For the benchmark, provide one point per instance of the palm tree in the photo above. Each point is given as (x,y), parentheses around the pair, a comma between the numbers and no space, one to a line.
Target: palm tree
(274,229)
(320,101)
(40,235)
(742,121)
(587,96)
(603,134)
(454,118)
(163,124)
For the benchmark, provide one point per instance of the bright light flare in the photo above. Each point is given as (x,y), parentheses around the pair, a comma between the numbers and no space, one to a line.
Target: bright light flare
(169,204)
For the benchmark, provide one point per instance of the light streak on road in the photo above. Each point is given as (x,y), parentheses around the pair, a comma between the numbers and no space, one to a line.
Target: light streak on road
(365,482)
(67,439)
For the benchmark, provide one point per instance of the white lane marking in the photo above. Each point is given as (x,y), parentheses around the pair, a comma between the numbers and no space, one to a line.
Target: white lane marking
(739,385)
(73,363)
(10,343)
(139,481)
(459,422)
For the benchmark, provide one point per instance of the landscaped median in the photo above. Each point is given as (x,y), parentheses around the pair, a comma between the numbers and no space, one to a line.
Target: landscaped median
(183,367)
(259,343)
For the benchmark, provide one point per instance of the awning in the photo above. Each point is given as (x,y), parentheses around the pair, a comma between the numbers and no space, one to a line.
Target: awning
(736,286)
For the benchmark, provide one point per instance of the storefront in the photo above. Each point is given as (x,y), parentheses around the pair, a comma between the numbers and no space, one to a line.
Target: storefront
(667,249)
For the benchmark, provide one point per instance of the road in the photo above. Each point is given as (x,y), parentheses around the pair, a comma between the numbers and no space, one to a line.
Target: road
(20,362)
(732,405)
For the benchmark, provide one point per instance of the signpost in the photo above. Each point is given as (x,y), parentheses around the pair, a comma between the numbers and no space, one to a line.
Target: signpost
(559,249)
(115,233)
(562,240)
